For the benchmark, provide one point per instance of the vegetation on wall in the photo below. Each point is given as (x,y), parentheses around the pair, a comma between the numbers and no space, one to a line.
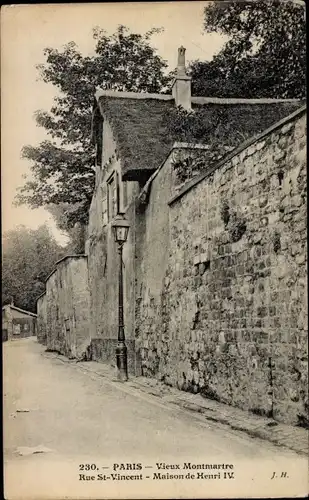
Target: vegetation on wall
(221,127)
(206,125)
(234,222)
(276,241)
(211,123)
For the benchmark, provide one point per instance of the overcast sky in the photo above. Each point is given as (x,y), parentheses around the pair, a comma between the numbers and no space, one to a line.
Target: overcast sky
(27,29)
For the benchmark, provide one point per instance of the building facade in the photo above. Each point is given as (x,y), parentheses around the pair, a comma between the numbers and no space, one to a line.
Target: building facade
(17,323)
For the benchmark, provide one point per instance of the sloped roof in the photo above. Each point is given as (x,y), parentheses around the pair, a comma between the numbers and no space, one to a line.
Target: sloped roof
(140,133)
(28,313)
(144,137)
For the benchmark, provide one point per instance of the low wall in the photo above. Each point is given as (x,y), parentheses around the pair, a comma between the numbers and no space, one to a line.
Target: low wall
(65,308)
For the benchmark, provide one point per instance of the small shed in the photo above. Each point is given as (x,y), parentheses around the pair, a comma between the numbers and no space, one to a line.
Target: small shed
(17,323)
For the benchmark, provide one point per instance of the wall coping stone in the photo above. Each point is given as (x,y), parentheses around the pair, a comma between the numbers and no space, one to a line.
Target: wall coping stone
(44,293)
(73,256)
(132,95)
(61,260)
(244,145)
(239,100)
(194,99)
(189,145)
(82,255)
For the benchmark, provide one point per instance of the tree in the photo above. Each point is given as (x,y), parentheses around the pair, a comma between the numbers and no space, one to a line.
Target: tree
(28,257)
(265,55)
(77,234)
(63,167)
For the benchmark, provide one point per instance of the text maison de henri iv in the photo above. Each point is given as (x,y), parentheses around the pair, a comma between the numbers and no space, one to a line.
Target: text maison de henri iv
(218,471)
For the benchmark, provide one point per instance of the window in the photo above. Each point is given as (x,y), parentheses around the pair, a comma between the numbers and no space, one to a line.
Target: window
(16,329)
(112,196)
(98,154)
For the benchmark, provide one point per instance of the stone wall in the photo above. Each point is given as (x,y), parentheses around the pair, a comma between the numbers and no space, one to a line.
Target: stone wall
(66,308)
(41,319)
(151,260)
(226,314)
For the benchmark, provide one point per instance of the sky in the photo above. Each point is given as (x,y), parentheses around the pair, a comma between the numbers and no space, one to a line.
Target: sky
(27,29)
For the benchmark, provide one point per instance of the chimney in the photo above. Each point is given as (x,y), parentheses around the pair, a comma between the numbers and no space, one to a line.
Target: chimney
(181,89)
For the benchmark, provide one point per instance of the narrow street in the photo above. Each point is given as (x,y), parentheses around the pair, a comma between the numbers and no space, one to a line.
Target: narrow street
(79,418)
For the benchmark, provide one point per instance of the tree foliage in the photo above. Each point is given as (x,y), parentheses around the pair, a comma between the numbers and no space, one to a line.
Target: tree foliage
(62,214)
(265,55)
(63,167)
(28,256)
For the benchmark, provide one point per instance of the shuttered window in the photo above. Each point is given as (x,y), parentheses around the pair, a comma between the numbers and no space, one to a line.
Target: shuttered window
(112,196)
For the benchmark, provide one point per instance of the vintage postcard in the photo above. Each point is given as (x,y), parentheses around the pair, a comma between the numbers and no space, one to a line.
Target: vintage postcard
(154,250)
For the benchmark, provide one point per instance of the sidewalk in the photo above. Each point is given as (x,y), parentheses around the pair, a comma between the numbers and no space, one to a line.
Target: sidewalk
(287,436)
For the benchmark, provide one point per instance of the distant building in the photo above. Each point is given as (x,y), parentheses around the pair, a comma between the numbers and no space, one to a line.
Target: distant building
(17,323)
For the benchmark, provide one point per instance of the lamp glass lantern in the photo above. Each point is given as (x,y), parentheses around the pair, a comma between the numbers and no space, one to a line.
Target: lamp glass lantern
(120,227)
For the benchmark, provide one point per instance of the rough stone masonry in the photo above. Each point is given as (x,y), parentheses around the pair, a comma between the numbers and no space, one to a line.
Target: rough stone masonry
(231,319)
(63,310)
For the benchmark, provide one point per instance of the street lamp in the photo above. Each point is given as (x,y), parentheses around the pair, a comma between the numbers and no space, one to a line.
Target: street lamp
(120,228)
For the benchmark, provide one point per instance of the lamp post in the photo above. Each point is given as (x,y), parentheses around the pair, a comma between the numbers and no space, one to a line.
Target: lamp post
(120,228)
